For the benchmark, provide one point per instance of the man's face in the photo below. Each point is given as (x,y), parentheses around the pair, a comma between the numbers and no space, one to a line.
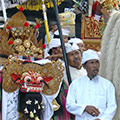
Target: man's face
(56,50)
(55,27)
(81,47)
(65,38)
(92,67)
(74,58)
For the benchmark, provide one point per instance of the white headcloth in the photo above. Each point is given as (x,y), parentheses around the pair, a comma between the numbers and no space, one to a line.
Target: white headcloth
(89,55)
(70,47)
(55,42)
(64,32)
(75,40)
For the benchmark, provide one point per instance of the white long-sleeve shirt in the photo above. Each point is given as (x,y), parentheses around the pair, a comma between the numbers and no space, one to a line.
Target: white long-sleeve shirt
(97,92)
(75,73)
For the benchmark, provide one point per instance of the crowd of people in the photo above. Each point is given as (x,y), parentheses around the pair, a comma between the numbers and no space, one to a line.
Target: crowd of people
(90,96)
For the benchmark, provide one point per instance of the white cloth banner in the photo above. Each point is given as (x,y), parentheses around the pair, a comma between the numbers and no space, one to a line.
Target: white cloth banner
(11,3)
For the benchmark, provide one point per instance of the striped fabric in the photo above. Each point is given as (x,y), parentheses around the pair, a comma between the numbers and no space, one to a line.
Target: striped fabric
(62,113)
(27,58)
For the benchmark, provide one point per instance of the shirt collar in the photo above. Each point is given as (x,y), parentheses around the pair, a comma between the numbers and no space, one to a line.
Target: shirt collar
(95,79)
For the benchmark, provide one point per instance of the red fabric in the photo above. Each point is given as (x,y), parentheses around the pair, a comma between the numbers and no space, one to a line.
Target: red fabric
(47,79)
(15,77)
(94,7)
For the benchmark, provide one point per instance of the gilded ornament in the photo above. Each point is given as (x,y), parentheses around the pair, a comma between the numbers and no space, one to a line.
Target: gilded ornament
(40,51)
(33,48)
(26,43)
(56,106)
(28,52)
(53,69)
(21,48)
(31,114)
(17,42)
(35,55)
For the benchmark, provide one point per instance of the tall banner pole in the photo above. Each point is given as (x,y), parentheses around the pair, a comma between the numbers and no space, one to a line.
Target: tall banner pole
(45,21)
(4,10)
(62,43)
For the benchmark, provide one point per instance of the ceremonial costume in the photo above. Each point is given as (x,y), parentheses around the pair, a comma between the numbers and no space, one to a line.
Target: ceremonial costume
(110,52)
(29,87)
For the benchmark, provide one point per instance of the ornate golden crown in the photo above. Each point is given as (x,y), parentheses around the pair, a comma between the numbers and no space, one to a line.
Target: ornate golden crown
(18,37)
(109,4)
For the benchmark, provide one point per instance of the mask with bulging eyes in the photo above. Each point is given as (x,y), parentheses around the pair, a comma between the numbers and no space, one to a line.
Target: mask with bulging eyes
(31,81)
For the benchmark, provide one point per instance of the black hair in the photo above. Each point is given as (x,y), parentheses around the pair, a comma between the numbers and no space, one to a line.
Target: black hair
(51,25)
(38,106)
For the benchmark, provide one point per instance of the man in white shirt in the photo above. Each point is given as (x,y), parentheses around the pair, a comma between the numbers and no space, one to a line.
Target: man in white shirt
(74,60)
(53,27)
(91,97)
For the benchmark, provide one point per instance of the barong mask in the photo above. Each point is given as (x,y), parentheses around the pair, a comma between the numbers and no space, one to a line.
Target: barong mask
(32,79)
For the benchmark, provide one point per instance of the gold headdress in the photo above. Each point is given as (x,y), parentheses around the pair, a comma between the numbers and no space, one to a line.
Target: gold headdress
(18,37)
(51,70)
(109,4)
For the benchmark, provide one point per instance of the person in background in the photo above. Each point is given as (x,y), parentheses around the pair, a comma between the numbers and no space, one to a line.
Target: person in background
(55,50)
(65,34)
(91,97)
(74,61)
(81,8)
(55,53)
(52,27)
(79,42)
(110,54)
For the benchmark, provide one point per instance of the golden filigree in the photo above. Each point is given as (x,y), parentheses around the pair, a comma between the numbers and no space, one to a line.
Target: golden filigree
(110,4)
(37,4)
(53,69)
(18,37)
(56,106)
(91,28)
